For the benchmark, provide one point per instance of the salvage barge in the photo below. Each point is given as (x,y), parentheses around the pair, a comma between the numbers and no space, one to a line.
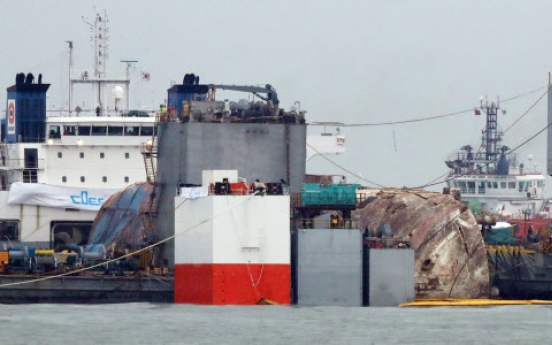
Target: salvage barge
(86,289)
(143,215)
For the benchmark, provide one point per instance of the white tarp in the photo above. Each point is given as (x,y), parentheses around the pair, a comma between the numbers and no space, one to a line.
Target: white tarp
(58,196)
(194,192)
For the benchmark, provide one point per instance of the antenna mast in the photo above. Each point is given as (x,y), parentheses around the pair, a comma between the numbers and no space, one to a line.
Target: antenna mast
(70,43)
(492,136)
(127,85)
(100,40)
(98,78)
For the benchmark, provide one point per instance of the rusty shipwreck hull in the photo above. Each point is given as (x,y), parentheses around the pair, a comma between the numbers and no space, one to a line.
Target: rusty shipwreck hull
(450,255)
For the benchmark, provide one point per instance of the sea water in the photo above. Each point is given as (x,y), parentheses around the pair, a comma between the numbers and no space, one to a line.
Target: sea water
(144,323)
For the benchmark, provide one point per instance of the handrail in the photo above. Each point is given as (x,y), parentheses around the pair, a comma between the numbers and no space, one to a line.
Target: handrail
(309,223)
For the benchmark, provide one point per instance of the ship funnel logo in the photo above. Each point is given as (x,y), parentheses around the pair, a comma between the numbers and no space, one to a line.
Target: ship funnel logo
(11,116)
(11,113)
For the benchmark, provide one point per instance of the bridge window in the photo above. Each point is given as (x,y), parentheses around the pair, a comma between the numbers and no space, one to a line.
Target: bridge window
(462,186)
(64,179)
(81,155)
(84,130)
(102,155)
(115,131)
(471,187)
(54,132)
(127,155)
(481,187)
(540,184)
(132,130)
(126,179)
(146,131)
(69,130)
(82,179)
(523,186)
(495,185)
(502,185)
(104,179)
(99,130)
(60,155)
(511,185)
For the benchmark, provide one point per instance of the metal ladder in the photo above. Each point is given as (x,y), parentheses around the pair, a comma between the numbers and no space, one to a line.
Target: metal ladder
(149,152)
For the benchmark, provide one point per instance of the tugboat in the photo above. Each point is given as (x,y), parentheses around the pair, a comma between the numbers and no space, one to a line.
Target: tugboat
(491,179)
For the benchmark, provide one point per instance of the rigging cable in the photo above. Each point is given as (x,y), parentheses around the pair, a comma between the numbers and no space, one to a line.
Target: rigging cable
(430,118)
(344,169)
(531,138)
(527,111)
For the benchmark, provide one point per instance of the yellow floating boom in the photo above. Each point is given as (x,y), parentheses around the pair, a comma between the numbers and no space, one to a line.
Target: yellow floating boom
(466,302)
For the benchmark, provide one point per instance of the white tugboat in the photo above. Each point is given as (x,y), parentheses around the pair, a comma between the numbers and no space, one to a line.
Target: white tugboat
(492,176)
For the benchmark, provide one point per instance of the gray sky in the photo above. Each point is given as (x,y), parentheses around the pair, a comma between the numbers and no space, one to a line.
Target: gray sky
(348,61)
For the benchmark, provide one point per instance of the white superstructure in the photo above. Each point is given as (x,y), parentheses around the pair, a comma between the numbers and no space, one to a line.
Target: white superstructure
(94,154)
(511,195)
(59,180)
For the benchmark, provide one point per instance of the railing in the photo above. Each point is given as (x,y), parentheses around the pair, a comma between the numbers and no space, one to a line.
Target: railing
(308,223)
(473,156)
(88,74)
(21,164)
(109,112)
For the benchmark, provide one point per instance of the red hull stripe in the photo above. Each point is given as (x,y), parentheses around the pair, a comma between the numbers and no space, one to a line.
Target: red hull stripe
(231,283)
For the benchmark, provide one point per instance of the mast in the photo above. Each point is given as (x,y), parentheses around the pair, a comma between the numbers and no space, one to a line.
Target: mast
(491,158)
(70,43)
(97,77)
(127,85)
(492,137)
(100,39)
(549,134)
